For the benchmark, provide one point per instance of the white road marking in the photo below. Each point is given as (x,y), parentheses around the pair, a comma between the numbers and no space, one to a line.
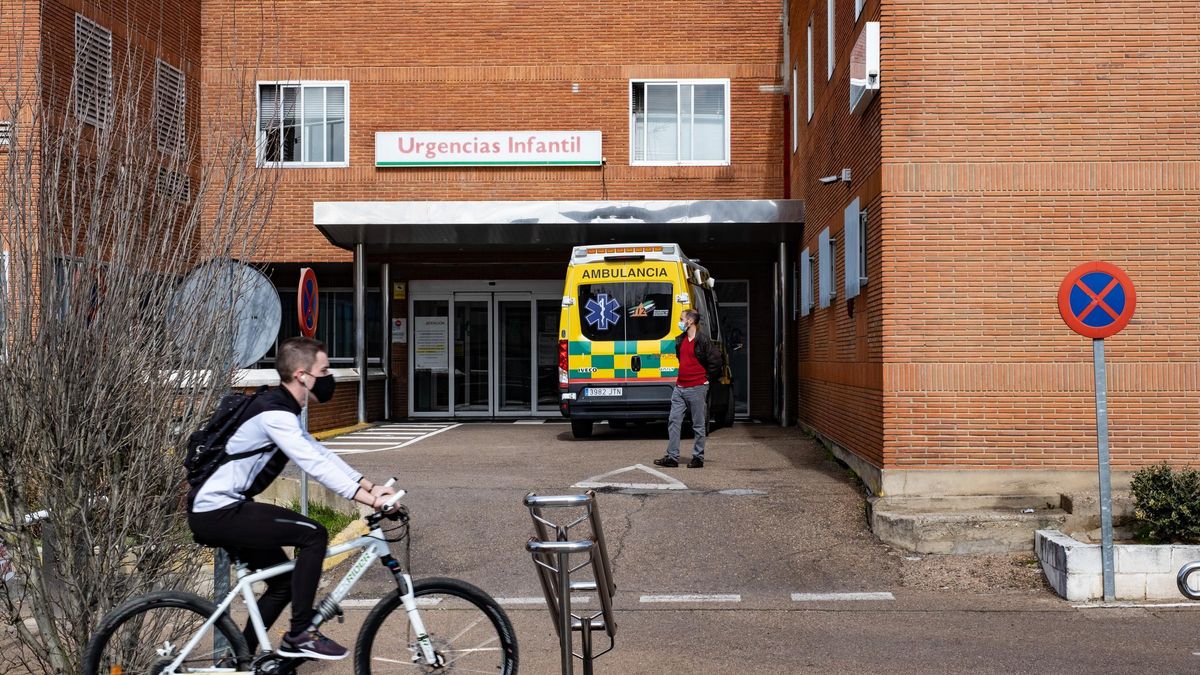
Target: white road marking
(697,597)
(1137,605)
(839,597)
(367,603)
(383,441)
(601,481)
(530,600)
(530,422)
(354,444)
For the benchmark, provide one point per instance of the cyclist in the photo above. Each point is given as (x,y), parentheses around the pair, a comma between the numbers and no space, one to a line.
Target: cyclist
(223,513)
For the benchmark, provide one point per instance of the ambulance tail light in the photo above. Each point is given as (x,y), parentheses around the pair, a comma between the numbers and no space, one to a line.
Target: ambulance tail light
(562,364)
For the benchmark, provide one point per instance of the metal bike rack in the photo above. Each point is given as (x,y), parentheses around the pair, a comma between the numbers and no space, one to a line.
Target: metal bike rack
(1182,580)
(551,550)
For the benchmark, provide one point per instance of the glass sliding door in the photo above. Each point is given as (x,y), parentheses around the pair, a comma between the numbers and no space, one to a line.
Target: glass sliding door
(734,298)
(514,350)
(546,337)
(430,356)
(480,351)
(472,353)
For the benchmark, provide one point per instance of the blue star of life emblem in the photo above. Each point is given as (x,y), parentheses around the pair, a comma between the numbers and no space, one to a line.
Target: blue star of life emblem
(602,311)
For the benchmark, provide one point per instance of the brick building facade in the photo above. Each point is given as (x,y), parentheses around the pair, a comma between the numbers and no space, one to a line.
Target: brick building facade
(435,66)
(1008,143)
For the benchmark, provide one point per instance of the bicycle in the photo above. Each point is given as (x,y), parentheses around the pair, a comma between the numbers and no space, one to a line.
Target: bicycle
(439,618)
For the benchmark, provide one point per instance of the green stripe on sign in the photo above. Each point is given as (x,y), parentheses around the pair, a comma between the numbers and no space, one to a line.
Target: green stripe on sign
(567,162)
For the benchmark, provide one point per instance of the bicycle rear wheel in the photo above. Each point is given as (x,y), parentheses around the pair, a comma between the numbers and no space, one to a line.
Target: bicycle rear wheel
(469,631)
(146,634)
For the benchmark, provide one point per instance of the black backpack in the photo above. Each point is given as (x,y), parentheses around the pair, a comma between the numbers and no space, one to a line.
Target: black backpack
(206,446)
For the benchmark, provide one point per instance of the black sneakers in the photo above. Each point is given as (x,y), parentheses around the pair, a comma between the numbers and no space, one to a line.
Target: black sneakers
(666,461)
(311,645)
(696,463)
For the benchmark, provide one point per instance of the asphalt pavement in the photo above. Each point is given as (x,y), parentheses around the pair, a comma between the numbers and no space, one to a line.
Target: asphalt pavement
(759,562)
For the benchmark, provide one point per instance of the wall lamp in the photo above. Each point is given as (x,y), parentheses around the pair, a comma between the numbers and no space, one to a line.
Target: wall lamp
(844,177)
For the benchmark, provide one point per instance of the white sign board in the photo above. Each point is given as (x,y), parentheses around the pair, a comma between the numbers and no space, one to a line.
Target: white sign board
(399,331)
(430,337)
(488,148)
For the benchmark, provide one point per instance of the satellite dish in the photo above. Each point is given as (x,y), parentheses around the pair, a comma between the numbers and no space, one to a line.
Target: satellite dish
(224,289)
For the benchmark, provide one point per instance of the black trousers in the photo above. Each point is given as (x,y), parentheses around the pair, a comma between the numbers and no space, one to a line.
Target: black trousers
(256,534)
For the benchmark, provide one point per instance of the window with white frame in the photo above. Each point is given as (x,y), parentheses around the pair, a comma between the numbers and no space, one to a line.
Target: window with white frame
(826,252)
(858,8)
(679,122)
(93,71)
(170,99)
(809,63)
(830,52)
(303,123)
(806,282)
(854,238)
(5,134)
(795,109)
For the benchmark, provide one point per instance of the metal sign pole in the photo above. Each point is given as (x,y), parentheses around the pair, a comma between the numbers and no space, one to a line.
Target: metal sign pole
(1106,529)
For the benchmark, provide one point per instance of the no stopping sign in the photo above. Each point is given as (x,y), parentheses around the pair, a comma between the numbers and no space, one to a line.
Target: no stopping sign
(1096,300)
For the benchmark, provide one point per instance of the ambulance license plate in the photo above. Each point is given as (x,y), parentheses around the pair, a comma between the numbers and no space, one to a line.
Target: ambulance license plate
(593,392)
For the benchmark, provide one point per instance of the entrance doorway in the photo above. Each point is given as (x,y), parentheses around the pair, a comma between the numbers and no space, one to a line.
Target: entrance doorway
(484,349)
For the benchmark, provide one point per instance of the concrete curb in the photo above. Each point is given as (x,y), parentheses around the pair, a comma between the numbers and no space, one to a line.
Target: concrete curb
(1142,571)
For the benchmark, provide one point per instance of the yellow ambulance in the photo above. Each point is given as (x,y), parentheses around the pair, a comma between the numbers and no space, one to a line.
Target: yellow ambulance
(616,347)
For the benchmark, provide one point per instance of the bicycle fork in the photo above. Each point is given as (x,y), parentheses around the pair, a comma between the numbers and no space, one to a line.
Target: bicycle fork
(409,599)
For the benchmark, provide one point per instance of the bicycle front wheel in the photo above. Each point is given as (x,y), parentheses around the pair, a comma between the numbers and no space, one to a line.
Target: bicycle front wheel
(469,632)
(145,635)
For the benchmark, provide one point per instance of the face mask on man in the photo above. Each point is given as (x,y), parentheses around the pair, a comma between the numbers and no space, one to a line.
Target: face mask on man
(683,325)
(322,388)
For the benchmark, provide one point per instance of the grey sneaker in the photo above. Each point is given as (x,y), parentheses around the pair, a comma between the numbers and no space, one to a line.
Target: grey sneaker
(311,645)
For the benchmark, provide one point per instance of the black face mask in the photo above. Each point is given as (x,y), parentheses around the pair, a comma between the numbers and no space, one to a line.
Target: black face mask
(323,388)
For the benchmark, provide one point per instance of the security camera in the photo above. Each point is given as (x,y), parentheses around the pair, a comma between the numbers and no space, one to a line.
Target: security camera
(826,180)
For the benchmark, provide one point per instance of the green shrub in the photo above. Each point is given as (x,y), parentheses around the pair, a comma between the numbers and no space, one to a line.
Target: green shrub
(1166,504)
(334,521)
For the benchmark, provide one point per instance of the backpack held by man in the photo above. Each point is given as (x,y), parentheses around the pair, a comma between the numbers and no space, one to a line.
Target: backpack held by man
(206,446)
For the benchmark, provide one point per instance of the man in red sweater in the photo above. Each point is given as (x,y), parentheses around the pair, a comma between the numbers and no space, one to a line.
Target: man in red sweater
(699,361)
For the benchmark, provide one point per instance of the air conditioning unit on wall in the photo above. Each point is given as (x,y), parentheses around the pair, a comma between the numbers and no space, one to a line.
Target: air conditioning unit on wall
(864,67)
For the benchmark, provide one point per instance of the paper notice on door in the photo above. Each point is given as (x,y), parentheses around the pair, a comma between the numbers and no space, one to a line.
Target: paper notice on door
(430,338)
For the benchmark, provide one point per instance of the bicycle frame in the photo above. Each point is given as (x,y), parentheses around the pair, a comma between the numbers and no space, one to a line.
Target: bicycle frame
(374,548)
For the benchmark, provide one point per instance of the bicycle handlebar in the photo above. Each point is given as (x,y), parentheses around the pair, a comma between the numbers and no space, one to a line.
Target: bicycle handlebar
(387,506)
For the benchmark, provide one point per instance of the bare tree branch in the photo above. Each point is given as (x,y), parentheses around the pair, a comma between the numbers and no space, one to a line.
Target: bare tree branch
(104,367)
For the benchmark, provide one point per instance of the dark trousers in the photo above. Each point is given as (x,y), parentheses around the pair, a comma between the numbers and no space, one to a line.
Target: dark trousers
(255,534)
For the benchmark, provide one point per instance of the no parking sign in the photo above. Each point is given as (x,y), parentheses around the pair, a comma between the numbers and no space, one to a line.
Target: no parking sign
(1097,300)
(306,302)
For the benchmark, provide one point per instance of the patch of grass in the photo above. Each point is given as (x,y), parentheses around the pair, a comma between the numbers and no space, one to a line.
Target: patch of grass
(334,521)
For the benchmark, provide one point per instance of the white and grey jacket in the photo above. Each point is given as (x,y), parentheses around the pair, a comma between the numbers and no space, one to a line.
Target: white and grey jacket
(272,419)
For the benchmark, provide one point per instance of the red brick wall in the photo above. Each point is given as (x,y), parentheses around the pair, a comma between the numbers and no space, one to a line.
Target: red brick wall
(433,65)
(839,353)
(1016,140)
(1010,156)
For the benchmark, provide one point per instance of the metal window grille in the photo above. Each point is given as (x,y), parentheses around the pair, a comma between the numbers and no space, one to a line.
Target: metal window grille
(170,99)
(5,133)
(93,72)
(174,184)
